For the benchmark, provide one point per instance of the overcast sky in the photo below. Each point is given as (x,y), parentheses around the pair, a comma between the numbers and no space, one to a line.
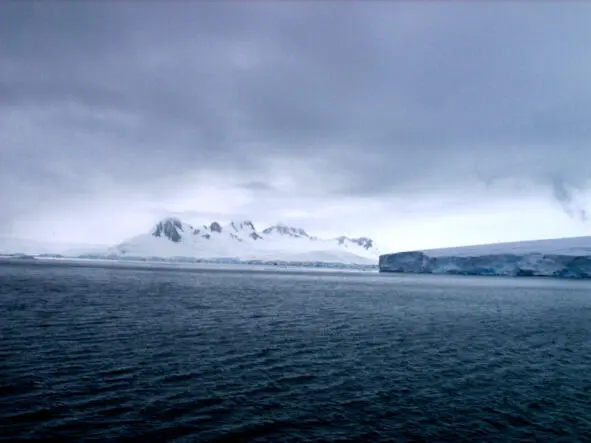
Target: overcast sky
(421,124)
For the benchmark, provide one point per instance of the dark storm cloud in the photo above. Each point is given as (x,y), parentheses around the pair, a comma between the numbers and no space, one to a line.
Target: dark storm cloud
(396,97)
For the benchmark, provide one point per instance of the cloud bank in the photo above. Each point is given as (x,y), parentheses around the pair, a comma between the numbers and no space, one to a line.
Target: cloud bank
(426,124)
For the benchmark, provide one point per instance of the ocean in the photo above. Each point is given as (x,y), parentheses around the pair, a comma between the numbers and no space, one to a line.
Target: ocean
(128,353)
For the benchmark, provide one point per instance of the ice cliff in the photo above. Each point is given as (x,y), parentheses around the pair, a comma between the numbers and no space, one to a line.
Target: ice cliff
(508,264)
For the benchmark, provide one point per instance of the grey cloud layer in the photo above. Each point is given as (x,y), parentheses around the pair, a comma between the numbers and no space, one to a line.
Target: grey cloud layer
(394,97)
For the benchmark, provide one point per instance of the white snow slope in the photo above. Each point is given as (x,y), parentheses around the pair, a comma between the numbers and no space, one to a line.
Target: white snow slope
(563,258)
(558,246)
(172,237)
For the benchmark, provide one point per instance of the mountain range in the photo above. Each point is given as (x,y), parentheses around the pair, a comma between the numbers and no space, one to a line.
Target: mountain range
(173,238)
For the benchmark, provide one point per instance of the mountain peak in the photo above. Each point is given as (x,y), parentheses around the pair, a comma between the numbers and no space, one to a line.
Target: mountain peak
(246,227)
(364,242)
(169,228)
(215,227)
(239,225)
(289,231)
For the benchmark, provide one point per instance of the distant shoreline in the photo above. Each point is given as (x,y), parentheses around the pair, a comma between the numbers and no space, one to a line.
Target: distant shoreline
(181,264)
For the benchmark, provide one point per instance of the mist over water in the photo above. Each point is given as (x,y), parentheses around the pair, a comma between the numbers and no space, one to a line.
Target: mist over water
(109,353)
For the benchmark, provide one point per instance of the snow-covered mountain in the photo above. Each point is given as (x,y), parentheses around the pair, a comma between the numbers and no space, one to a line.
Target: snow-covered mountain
(564,258)
(172,237)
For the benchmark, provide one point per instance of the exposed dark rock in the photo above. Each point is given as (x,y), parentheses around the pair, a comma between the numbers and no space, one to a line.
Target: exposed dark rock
(286,230)
(246,224)
(235,237)
(169,228)
(364,242)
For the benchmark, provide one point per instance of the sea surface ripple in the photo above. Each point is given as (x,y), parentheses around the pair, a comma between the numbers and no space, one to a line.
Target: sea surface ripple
(129,354)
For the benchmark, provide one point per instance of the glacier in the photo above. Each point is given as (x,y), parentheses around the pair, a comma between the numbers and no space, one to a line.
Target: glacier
(559,258)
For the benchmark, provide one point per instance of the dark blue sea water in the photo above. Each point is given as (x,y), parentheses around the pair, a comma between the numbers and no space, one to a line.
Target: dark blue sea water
(115,354)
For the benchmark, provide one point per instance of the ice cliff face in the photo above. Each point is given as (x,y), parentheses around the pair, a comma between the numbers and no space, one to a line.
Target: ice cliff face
(529,264)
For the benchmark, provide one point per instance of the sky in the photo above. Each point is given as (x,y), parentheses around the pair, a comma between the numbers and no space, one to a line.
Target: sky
(419,124)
